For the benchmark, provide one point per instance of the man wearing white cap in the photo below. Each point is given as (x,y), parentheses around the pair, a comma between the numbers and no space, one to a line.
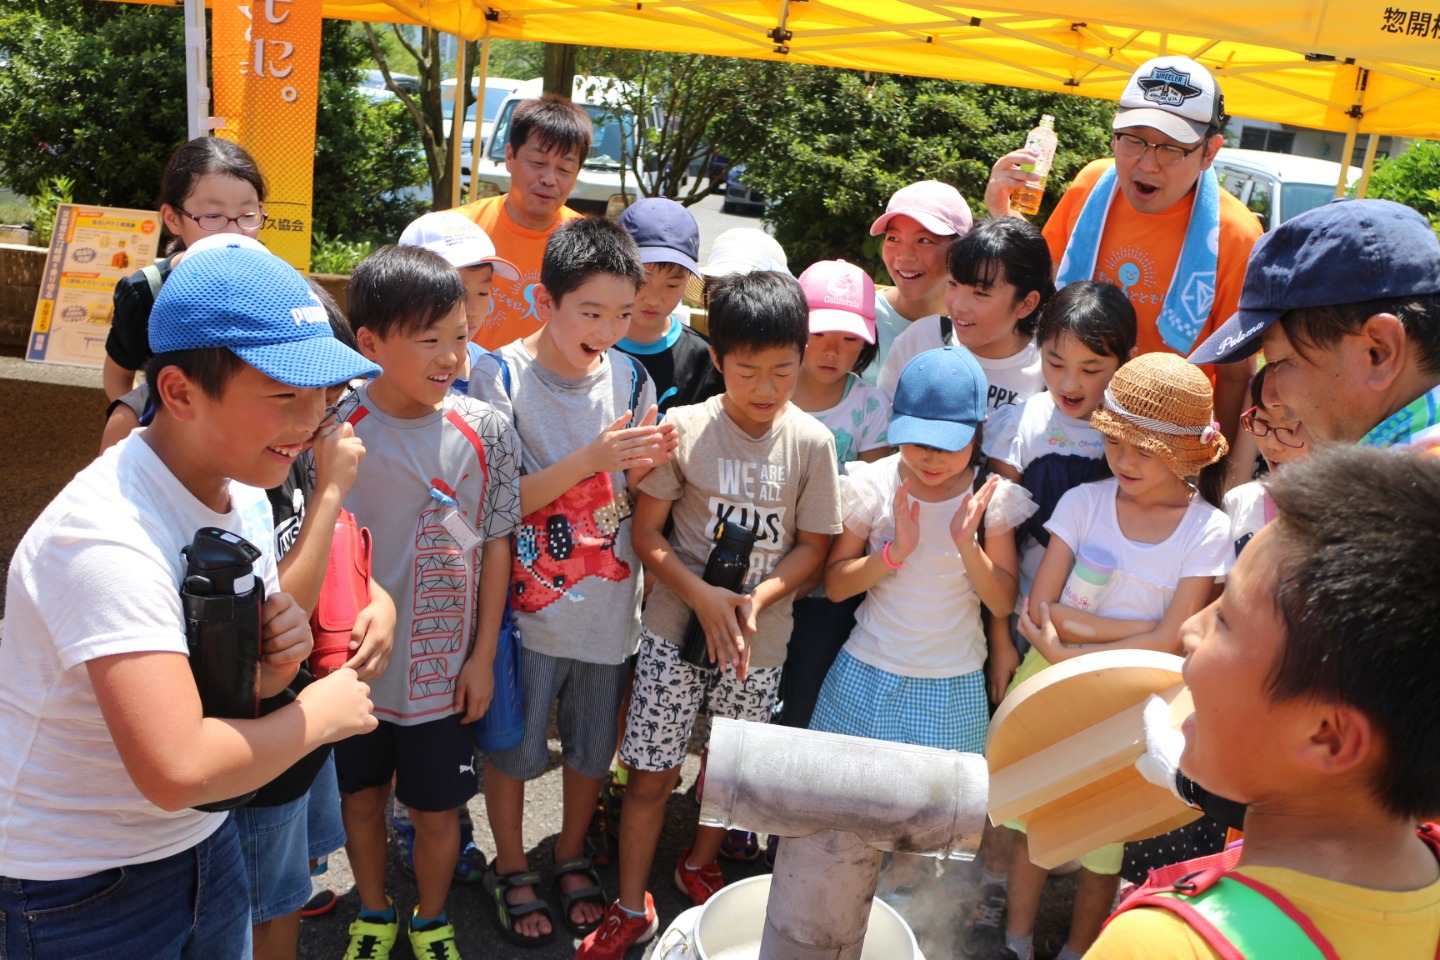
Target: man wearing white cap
(1172,240)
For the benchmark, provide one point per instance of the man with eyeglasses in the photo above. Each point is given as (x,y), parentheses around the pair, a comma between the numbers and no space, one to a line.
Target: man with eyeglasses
(1154,221)
(1345,301)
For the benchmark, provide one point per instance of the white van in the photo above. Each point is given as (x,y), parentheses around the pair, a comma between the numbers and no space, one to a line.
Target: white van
(496,90)
(612,150)
(1278,186)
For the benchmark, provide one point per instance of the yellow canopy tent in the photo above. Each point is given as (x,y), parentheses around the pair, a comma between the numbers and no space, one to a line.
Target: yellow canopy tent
(1313,64)
(1361,66)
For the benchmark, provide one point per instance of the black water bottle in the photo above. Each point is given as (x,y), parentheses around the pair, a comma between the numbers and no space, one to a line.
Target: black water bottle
(729,562)
(223,600)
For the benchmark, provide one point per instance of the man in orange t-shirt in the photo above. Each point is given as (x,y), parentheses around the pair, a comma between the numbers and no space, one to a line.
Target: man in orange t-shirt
(1165,139)
(549,140)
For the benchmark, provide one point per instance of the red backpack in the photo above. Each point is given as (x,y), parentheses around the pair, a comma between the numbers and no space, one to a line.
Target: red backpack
(1236,915)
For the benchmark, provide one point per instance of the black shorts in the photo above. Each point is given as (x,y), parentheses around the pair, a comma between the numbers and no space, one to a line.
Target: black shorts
(433,763)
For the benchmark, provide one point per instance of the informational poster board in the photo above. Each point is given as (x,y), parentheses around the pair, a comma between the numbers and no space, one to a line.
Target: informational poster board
(91,249)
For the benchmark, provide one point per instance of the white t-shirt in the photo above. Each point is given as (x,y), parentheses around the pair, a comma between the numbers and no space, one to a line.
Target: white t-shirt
(1146,574)
(1246,506)
(1026,432)
(98,574)
(1012,379)
(922,620)
(858,422)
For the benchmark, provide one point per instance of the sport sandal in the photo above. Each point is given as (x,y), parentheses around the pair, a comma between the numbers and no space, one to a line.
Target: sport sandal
(498,885)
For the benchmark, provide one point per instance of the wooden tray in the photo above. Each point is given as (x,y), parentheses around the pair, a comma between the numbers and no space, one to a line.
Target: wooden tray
(1062,749)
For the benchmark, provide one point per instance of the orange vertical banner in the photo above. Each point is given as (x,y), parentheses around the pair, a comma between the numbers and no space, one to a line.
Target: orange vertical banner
(266,64)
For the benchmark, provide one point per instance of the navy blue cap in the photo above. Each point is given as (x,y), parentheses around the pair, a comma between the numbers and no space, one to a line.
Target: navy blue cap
(664,231)
(940,400)
(1346,251)
(260,308)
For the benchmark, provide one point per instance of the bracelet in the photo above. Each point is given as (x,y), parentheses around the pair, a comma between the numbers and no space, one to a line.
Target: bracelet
(885,555)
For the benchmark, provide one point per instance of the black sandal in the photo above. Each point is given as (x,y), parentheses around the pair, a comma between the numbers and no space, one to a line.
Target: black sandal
(591,894)
(497,885)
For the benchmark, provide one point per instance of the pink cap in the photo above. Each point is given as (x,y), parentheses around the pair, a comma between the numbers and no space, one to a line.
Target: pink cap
(841,297)
(936,206)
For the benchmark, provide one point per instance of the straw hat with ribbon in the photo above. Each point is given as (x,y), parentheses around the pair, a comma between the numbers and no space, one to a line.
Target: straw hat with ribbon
(1163,405)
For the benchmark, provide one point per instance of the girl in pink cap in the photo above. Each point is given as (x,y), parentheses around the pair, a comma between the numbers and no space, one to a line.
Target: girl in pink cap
(919,224)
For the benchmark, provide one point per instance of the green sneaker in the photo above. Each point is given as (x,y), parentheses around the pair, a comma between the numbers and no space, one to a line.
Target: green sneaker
(370,940)
(436,943)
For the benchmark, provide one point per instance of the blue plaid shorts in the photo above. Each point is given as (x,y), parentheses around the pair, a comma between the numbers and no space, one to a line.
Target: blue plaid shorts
(949,713)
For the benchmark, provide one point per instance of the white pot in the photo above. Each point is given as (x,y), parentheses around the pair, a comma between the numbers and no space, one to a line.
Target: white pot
(729,926)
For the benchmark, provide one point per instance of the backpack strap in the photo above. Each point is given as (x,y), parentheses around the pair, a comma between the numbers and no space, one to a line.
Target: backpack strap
(151,272)
(637,381)
(1238,916)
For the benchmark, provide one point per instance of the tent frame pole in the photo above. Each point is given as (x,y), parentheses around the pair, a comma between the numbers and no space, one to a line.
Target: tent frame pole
(197,78)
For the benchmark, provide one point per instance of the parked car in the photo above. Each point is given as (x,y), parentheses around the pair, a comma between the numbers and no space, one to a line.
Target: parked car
(1278,186)
(739,197)
(496,90)
(598,188)
(375,80)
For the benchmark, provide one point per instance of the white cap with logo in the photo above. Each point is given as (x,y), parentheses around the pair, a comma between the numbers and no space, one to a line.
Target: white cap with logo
(458,239)
(1174,95)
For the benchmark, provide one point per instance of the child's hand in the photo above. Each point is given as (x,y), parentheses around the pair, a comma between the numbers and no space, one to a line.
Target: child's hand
(971,512)
(475,689)
(1042,635)
(907,524)
(338,453)
(720,613)
(373,637)
(1000,669)
(285,631)
(669,435)
(620,447)
(340,703)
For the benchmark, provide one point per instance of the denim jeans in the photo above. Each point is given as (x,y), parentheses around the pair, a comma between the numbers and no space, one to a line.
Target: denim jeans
(193,904)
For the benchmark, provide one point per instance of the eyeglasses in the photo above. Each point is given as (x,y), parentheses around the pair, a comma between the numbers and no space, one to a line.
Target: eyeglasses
(215,222)
(1259,428)
(339,410)
(1166,154)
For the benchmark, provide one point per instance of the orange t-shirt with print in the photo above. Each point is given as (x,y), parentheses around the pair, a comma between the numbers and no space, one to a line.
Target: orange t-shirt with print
(1139,252)
(512,315)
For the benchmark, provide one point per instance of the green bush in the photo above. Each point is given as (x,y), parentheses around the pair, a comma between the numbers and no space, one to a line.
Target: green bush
(841,142)
(96,92)
(1412,178)
(329,255)
(46,205)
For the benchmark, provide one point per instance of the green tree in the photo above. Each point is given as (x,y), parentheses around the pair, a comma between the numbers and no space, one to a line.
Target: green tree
(96,92)
(426,107)
(1412,178)
(687,106)
(840,142)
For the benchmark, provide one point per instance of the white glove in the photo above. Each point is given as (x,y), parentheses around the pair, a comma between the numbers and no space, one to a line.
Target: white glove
(1163,746)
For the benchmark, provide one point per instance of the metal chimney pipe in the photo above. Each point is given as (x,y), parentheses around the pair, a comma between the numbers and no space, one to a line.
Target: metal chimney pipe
(845,799)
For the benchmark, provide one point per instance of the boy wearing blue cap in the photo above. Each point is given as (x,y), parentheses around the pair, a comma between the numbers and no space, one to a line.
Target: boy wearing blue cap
(675,356)
(1345,301)
(106,747)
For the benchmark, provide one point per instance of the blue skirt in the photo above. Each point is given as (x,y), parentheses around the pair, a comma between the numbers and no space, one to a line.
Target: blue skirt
(948,713)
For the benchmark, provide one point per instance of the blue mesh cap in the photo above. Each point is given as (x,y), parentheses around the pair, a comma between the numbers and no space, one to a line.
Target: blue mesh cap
(940,400)
(260,308)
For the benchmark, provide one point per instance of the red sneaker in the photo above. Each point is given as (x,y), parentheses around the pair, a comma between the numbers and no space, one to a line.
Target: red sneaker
(700,883)
(618,932)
